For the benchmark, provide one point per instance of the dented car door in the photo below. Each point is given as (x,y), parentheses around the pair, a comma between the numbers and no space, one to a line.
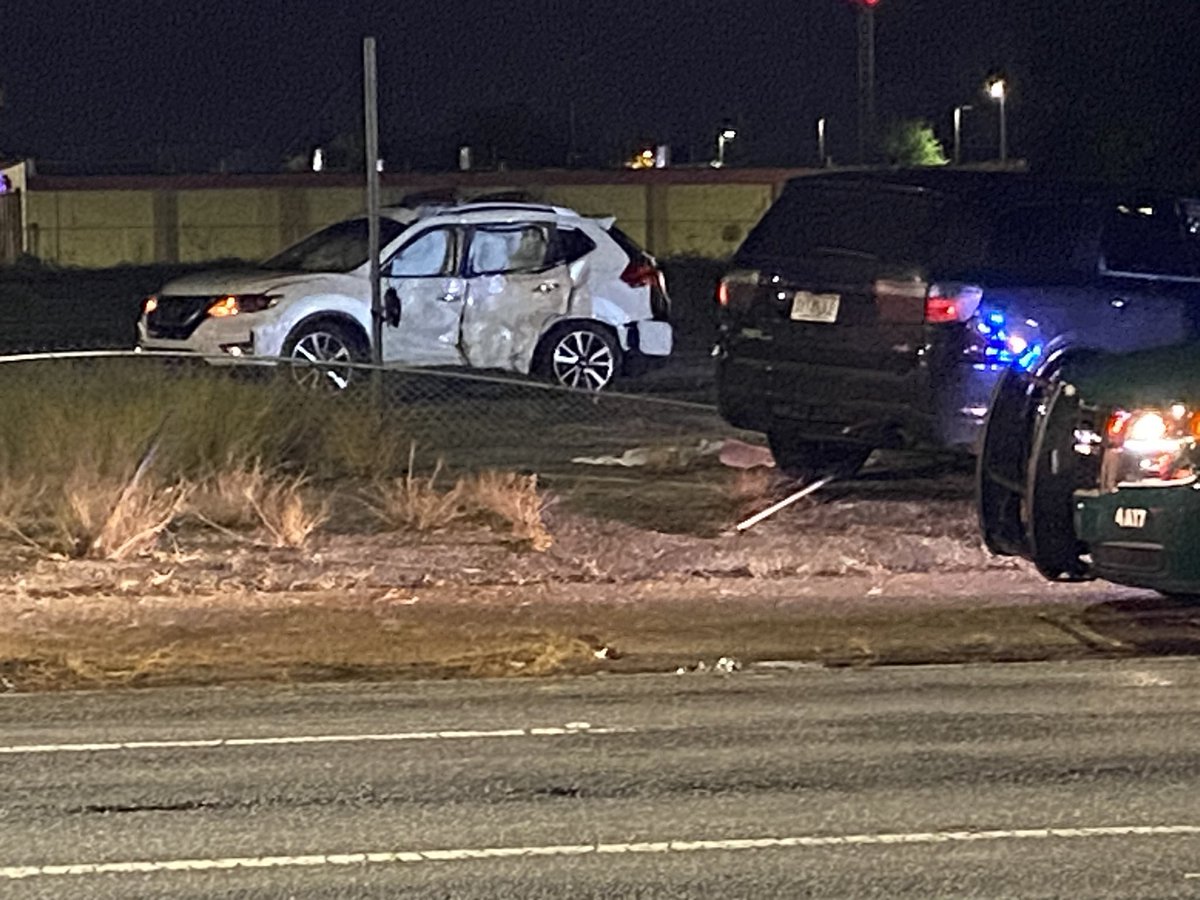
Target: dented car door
(516,288)
(423,299)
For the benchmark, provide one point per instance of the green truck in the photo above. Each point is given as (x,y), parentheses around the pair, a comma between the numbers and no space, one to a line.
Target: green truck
(1089,468)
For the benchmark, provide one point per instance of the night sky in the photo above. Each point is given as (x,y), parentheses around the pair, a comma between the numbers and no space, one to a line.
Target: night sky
(1104,86)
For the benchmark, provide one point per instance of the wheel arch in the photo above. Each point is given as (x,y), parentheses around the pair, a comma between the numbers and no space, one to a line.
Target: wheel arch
(345,320)
(562,325)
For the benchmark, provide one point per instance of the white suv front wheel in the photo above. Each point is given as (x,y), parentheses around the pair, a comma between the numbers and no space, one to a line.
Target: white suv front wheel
(323,354)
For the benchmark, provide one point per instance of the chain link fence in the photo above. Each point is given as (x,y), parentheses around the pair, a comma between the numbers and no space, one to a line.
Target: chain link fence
(110,408)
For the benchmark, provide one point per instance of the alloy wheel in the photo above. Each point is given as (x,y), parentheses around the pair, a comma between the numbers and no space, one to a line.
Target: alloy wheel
(583,359)
(327,356)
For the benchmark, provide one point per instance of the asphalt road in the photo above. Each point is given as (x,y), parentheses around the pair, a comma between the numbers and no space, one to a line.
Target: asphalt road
(1047,780)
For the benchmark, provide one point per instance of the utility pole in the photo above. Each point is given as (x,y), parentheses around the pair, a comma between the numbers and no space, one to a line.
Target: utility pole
(371,114)
(866,80)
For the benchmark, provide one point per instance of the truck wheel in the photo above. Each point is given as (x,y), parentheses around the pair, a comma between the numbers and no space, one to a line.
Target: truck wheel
(808,460)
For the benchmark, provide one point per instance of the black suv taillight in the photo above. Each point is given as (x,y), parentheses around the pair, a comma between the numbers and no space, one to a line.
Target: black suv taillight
(951,302)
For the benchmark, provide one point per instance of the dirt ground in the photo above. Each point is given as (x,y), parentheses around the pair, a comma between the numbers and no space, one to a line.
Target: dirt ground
(887,569)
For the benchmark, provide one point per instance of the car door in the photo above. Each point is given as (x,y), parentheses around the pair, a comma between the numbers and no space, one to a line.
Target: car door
(423,300)
(516,288)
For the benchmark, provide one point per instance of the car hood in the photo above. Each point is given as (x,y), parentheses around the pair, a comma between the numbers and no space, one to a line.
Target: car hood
(1141,379)
(235,281)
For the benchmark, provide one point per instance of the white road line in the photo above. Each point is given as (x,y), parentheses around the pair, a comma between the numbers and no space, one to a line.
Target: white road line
(573,728)
(558,850)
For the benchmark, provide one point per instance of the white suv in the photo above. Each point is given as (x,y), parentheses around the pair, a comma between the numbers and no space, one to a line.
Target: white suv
(513,286)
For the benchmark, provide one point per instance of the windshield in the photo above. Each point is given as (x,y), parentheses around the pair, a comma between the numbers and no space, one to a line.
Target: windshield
(338,248)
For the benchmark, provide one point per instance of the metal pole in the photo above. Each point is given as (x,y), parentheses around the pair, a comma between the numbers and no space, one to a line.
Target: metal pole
(866,82)
(1003,127)
(958,110)
(371,111)
(821,140)
(749,523)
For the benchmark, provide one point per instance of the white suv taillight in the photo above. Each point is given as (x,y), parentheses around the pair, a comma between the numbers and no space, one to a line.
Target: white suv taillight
(641,273)
(951,302)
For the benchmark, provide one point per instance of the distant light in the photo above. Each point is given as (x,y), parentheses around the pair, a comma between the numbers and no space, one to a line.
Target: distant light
(318,160)
(997,89)
(643,159)
(379,165)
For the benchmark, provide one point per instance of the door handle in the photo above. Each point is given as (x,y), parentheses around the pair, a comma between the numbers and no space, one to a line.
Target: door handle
(1118,303)
(450,298)
(391,307)
(546,287)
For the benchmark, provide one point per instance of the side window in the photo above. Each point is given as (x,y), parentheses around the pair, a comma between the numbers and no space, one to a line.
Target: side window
(570,244)
(1042,240)
(509,249)
(428,255)
(1150,239)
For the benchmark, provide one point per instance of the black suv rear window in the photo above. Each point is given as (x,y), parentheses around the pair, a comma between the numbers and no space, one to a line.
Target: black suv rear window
(896,224)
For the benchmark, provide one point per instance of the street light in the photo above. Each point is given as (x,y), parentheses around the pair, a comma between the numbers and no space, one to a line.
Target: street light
(821,140)
(958,111)
(725,136)
(997,89)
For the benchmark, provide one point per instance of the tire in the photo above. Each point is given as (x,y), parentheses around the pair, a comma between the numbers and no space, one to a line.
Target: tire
(1002,466)
(1180,599)
(807,460)
(580,356)
(326,353)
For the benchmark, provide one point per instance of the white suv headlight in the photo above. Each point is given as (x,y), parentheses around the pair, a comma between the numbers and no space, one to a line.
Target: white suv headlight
(236,304)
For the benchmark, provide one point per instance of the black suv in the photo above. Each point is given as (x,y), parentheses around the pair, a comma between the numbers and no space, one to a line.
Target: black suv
(879,308)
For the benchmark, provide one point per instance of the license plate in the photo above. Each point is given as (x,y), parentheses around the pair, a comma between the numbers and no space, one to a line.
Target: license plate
(1129,517)
(808,307)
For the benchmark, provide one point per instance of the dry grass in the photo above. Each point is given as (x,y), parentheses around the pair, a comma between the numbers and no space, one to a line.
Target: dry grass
(227,498)
(515,501)
(417,503)
(284,511)
(18,496)
(97,516)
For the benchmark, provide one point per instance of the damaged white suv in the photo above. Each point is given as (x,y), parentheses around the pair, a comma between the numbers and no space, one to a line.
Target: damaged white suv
(513,286)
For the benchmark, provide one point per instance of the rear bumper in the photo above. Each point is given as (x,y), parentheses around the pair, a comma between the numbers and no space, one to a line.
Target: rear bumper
(928,407)
(648,345)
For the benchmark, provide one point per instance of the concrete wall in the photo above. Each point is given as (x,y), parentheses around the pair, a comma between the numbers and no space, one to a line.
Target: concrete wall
(93,221)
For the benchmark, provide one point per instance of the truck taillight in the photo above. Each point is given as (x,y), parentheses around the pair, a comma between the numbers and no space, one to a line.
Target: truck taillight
(946,303)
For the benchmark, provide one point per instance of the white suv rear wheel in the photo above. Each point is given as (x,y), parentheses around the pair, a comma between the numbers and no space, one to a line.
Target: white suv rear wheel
(583,357)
